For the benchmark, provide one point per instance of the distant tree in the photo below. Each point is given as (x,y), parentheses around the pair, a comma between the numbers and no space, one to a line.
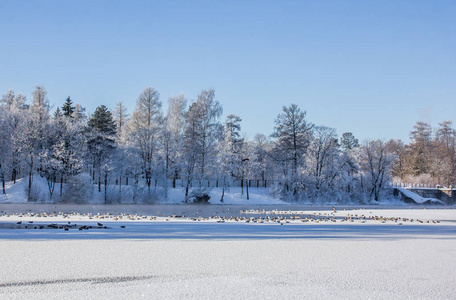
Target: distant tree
(445,155)
(229,158)
(7,99)
(79,113)
(261,148)
(58,113)
(348,141)
(292,133)
(34,138)
(376,162)
(40,106)
(421,148)
(398,148)
(323,160)
(145,130)
(191,146)
(208,112)
(101,143)
(121,164)
(174,136)
(5,146)
(121,117)
(68,108)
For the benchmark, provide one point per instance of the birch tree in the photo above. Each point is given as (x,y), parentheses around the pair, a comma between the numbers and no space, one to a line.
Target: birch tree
(145,128)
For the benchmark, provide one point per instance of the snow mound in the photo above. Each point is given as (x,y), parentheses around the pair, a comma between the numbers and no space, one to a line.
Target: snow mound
(15,193)
(418,199)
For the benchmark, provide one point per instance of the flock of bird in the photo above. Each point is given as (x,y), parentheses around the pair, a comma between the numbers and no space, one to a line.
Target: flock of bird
(261,216)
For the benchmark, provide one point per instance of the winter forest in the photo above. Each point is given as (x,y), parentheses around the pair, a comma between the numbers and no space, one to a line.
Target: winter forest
(139,157)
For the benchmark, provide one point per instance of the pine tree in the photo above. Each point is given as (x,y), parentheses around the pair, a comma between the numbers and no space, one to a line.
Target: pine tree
(101,143)
(68,108)
(348,141)
(58,113)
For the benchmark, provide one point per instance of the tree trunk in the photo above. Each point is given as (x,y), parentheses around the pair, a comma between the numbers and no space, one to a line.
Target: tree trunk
(247,190)
(61,185)
(242,185)
(223,194)
(3,181)
(105,186)
(120,188)
(30,178)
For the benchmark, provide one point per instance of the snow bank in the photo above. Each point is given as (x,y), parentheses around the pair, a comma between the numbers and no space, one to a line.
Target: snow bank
(15,193)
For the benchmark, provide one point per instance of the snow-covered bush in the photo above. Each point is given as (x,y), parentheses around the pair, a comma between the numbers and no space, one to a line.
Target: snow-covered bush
(199,195)
(39,191)
(78,189)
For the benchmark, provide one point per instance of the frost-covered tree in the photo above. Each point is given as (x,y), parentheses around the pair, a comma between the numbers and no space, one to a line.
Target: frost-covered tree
(261,148)
(40,106)
(68,108)
(323,161)
(120,159)
(34,136)
(174,136)
(229,157)
(145,128)
(398,148)
(191,147)
(70,146)
(5,146)
(348,141)
(445,156)
(421,148)
(8,99)
(58,113)
(79,113)
(202,132)
(292,135)
(207,112)
(376,162)
(121,117)
(101,143)
(14,114)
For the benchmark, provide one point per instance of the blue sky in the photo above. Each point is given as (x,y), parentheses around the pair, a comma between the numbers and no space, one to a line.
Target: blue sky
(374,68)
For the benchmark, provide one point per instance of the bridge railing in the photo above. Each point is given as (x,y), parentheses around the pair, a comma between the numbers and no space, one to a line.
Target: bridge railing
(420,185)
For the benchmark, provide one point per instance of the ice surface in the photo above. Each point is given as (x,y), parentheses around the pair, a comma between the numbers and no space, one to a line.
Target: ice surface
(179,258)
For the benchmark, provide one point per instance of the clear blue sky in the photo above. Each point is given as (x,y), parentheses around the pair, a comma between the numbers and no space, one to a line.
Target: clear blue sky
(370,67)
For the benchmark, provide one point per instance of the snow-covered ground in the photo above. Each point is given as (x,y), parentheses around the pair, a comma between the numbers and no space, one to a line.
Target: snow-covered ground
(296,254)
(15,193)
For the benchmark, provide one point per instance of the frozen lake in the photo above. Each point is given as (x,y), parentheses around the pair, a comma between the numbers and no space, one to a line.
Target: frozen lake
(341,256)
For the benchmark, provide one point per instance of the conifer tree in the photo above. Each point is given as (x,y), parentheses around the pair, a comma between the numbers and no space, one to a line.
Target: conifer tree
(68,108)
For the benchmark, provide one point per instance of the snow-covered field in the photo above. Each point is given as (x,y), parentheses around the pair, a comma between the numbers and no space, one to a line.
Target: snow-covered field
(261,252)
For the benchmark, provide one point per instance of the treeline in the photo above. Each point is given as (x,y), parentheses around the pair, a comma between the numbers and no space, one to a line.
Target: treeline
(140,157)
(430,158)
